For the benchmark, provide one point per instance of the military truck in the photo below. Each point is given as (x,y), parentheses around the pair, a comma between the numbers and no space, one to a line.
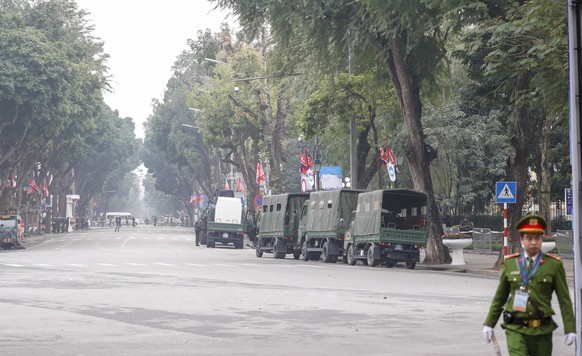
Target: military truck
(322,225)
(224,223)
(11,230)
(278,224)
(201,225)
(388,226)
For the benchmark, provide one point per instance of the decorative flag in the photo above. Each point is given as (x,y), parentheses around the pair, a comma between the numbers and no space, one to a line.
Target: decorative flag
(260,173)
(383,156)
(387,156)
(45,192)
(305,160)
(391,156)
(32,187)
(240,186)
(226,186)
(193,199)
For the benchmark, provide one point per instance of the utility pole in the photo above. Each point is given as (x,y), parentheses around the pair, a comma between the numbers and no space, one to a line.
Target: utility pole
(353,129)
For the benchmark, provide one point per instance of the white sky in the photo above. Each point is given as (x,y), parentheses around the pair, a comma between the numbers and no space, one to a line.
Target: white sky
(143,39)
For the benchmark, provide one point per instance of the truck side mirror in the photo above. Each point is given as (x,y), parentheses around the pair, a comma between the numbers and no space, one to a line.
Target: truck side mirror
(341,222)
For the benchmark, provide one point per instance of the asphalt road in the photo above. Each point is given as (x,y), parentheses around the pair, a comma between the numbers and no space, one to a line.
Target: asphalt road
(149,291)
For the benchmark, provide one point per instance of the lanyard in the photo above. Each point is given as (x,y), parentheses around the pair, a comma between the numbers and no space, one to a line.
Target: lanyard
(527,276)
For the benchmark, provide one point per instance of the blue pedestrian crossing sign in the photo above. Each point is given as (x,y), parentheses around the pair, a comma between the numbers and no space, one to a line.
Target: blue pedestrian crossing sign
(505,192)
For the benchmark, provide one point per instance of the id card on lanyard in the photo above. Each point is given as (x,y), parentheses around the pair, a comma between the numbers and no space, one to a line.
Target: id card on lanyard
(522,295)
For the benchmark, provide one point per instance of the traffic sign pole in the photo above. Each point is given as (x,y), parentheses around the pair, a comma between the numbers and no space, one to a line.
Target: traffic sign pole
(504,229)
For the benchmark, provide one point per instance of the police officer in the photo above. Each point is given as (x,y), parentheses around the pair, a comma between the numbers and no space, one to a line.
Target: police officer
(524,295)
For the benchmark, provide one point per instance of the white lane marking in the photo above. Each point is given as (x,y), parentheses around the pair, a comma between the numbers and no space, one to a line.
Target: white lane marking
(310,266)
(251,265)
(105,264)
(76,265)
(222,265)
(89,239)
(10,265)
(134,264)
(161,238)
(164,264)
(42,265)
(194,264)
(174,238)
(118,238)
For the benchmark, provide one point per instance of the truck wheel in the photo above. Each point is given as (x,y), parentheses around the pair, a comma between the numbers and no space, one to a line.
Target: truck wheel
(372,262)
(277,255)
(350,256)
(304,253)
(333,258)
(258,251)
(210,243)
(390,264)
(324,254)
(345,257)
(239,245)
(410,264)
(296,254)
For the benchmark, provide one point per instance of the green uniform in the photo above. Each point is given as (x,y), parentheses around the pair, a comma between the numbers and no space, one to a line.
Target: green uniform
(530,331)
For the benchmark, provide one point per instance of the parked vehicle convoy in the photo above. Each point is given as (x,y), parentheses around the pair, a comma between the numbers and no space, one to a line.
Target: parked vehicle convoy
(388,226)
(278,224)
(11,230)
(323,224)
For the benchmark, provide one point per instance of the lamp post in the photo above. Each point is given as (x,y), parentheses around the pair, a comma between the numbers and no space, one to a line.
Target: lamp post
(317,168)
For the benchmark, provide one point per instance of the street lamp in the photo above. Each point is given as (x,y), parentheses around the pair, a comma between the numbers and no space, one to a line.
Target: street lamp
(348,182)
(317,168)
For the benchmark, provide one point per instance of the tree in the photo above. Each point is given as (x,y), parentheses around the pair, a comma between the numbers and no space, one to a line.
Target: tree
(409,44)
(517,49)
(53,73)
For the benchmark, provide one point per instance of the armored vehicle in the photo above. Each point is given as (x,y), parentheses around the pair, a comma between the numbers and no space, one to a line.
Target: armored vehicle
(322,225)
(388,226)
(278,224)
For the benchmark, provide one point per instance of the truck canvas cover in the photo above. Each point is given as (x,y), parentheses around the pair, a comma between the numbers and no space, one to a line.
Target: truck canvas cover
(402,204)
(275,207)
(328,207)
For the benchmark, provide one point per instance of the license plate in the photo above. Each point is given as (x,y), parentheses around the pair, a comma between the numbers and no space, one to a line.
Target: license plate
(398,247)
(225,234)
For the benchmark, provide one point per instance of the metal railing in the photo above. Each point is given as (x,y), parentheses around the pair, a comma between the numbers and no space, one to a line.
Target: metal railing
(491,242)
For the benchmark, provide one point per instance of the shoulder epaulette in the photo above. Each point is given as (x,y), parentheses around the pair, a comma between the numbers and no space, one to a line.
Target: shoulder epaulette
(555,257)
(514,255)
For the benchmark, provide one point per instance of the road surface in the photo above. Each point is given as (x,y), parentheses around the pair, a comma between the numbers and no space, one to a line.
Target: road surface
(150,291)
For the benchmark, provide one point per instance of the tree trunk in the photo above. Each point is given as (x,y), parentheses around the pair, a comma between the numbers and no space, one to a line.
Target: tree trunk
(409,95)
(522,141)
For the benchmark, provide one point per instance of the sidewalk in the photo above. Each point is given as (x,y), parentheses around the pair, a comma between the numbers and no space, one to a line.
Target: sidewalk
(482,264)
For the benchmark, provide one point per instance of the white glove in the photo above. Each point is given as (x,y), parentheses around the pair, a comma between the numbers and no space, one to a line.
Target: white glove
(488,333)
(570,338)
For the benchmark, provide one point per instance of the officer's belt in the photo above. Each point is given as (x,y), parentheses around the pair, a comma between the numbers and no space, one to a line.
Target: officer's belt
(531,323)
